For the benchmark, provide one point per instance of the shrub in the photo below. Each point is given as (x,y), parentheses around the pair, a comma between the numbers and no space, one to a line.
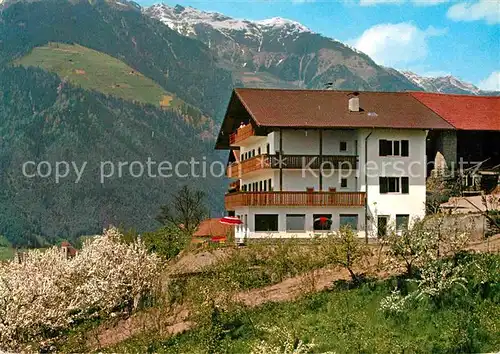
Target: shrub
(412,248)
(281,341)
(46,293)
(439,278)
(394,303)
(348,251)
(167,242)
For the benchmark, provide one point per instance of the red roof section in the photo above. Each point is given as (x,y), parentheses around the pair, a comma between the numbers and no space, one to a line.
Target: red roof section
(329,109)
(463,111)
(212,228)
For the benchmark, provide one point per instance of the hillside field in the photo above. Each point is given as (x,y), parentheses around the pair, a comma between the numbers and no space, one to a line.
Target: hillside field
(93,70)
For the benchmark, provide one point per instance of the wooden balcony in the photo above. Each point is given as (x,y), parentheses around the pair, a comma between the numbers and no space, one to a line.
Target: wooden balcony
(256,163)
(289,199)
(241,134)
(314,162)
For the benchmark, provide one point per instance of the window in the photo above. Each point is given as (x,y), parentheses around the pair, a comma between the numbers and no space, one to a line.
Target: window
(258,151)
(405,148)
(244,188)
(405,185)
(268,149)
(265,186)
(264,222)
(396,148)
(384,147)
(394,185)
(260,186)
(343,146)
(393,147)
(295,222)
(382,222)
(389,185)
(402,221)
(322,222)
(269,184)
(343,183)
(350,220)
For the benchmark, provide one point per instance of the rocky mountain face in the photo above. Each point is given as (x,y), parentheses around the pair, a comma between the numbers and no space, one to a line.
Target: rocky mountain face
(279,52)
(282,53)
(442,84)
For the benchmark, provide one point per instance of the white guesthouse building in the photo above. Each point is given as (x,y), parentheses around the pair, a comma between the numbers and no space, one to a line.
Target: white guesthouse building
(299,158)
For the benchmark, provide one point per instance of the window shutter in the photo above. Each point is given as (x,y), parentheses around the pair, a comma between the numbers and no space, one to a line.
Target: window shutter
(405,148)
(405,181)
(381,148)
(382,181)
(396,148)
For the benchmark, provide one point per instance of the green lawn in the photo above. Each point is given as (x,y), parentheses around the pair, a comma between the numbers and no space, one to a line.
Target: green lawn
(349,321)
(94,70)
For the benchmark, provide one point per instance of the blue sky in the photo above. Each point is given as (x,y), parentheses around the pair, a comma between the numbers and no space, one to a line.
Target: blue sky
(430,37)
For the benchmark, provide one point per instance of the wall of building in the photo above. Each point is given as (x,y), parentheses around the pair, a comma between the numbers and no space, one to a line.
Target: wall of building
(306,142)
(379,204)
(297,180)
(413,166)
(248,216)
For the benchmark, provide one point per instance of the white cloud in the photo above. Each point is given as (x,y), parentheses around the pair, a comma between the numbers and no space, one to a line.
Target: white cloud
(491,83)
(429,2)
(395,44)
(398,2)
(487,10)
(379,2)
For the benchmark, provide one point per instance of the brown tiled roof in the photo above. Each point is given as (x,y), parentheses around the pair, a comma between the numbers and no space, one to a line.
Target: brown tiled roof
(212,227)
(329,109)
(464,112)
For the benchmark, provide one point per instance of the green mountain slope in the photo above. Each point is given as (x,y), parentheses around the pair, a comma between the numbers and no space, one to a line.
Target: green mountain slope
(98,71)
(45,119)
(93,70)
(180,65)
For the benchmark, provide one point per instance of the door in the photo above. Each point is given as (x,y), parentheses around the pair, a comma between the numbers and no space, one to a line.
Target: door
(382,222)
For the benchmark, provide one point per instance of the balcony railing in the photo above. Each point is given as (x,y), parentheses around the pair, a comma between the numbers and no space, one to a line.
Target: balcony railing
(314,162)
(241,134)
(288,199)
(238,169)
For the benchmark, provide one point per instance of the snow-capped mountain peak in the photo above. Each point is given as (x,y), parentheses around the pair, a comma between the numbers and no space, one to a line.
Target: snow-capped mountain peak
(184,19)
(444,84)
(279,22)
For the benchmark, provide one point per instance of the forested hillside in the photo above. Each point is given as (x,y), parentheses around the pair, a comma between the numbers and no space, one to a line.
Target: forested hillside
(45,119)
(179,64)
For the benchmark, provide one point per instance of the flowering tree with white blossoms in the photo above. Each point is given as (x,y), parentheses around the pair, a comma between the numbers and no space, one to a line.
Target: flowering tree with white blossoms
(46,292)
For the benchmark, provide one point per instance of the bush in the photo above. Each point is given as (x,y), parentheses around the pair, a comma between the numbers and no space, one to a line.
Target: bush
(167,242)
(46,293)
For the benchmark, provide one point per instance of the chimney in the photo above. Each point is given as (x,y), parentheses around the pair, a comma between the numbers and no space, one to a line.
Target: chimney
(354,102)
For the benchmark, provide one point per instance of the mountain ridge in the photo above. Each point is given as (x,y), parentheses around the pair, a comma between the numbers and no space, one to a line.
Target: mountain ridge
(229,35)
(442,84)
(279,52)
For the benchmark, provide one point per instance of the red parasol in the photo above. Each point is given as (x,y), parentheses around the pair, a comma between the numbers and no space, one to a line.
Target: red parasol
(231,220)
(322,220)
